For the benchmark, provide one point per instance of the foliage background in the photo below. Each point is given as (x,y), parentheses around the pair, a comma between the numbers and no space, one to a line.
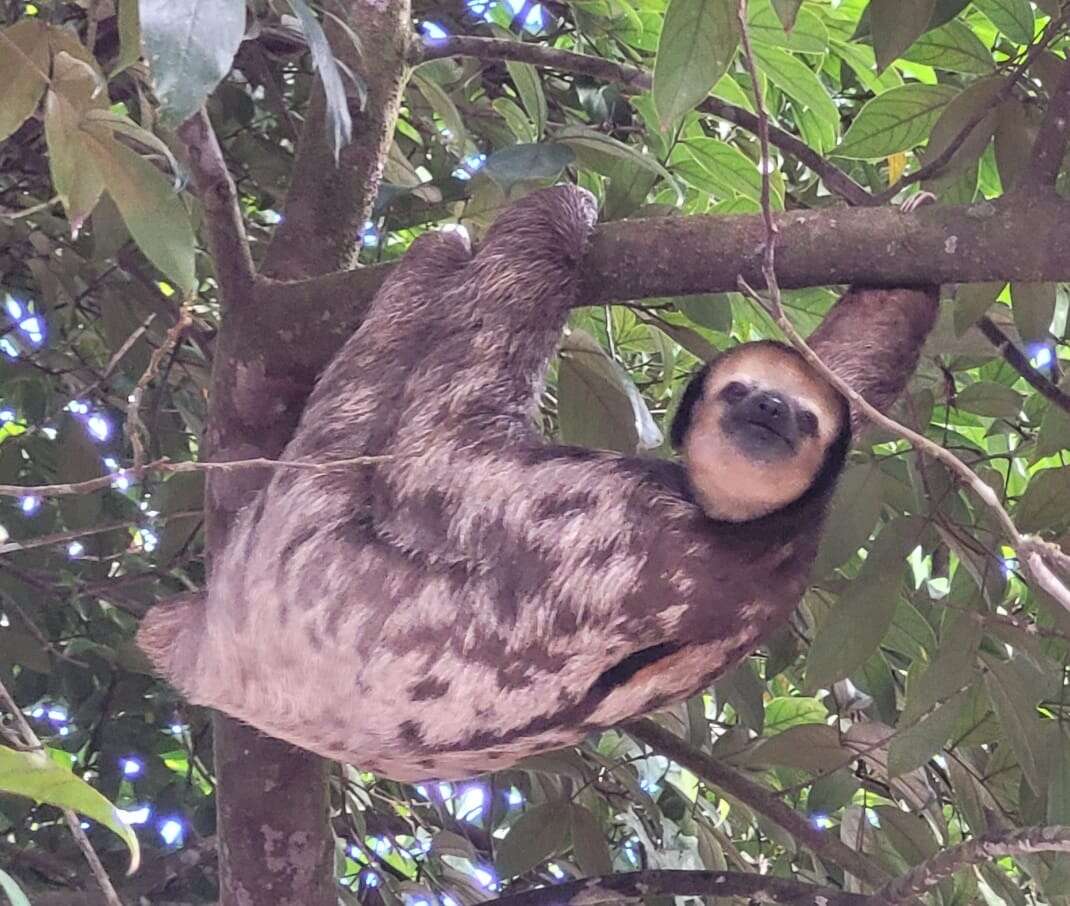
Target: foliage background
(919,696)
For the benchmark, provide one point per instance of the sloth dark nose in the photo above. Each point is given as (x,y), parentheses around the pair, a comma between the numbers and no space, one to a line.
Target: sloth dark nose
(769,405)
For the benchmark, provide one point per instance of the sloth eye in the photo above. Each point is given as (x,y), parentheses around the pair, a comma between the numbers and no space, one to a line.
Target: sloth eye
(733,391)
(807,422)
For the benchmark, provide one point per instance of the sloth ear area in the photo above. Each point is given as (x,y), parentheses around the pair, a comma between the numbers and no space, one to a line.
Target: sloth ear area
(685,412)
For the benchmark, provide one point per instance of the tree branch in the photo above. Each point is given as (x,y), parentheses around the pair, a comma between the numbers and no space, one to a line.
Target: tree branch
(758,799)
(224,227)
(1009,239)
(985,848)
(640,885)
(1049,149)
(1020,363)
(328,200)
(634,79)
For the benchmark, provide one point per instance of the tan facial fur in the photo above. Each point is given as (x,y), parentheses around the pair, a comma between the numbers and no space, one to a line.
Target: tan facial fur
(731,484)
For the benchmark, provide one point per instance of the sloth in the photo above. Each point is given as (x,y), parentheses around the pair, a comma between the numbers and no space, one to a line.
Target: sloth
(479,595)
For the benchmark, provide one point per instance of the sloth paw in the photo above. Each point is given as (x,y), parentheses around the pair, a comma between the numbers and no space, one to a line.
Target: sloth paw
(551,224)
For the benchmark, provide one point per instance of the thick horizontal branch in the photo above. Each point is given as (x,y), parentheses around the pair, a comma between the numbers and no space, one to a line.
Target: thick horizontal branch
(640,885)
(1011,239)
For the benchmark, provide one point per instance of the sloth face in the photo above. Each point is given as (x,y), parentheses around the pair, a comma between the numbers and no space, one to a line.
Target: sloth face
(758,431)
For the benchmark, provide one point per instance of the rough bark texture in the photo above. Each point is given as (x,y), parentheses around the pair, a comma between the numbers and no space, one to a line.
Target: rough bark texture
(328,201)
(276,845)
(1011,239)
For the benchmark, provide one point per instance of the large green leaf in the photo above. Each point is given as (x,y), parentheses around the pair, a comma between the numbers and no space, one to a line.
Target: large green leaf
(190,46)
(731,170)
(36,776)
(519,163)
(896,24)
(1012,17)
(1033,305)
(990,399)
(799,82)
(698,41)
(974,105)
(765,26)
(952,47)
(897,120)
(150,207)
(598,404)
(851,633)
(539,833)
(23,72)
(70,99)
(529,86)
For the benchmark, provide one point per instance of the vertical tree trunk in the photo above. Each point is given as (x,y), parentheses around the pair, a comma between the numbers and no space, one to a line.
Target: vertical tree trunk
(276,843)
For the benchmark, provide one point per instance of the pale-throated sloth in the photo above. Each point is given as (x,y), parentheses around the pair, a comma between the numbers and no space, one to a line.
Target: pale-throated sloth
(484,595)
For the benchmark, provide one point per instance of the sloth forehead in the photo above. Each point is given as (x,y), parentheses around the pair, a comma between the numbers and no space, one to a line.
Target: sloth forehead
(776,369)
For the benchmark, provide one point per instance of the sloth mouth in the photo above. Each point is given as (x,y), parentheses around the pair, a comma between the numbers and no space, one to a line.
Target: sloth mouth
(766,431)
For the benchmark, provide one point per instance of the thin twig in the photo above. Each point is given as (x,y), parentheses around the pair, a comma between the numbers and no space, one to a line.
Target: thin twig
(135,427)
(986,848)
(73,822)
(165,466)
(1033,552)
(1020,363)
(14,547)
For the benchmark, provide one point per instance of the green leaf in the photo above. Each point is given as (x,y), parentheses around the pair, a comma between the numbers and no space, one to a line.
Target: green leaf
(832,792)
(36,776)
(79,460)
(1012,17)
(1014,142)
(731,169)
(190,45)
(809,747)
(1016,708)
(952,47)
(990,399)
(538,834)
(710,311)
(935,699)
(443,105)
(519,163)
(589,843)
(181,493)
(12,890)
(799,82)
(897,120)
(598,404)
(975,101)
(1054,428)
(697,44)
(765,26)
(1033,305)
(23,72)
(863,63)
(852,516)
(1043,505)
(75,176)
(895,25)
(601,152)
(852,631)
(528,85)
(150,208)
(330,75)
(787,10)
(972,300)
(129,35)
